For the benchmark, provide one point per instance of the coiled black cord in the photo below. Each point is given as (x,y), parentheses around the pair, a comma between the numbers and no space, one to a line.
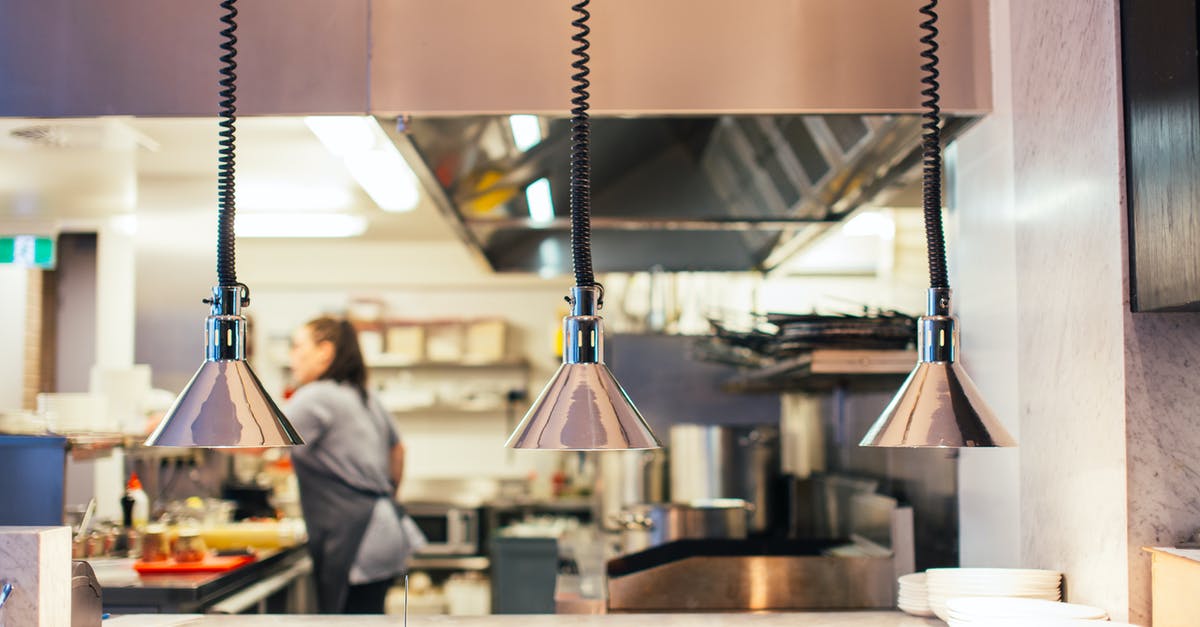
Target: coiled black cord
(226,275)
(581,165)
(935,240)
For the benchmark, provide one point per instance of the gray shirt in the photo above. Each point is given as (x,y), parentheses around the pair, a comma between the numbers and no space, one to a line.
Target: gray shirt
(351,441)
(342,436)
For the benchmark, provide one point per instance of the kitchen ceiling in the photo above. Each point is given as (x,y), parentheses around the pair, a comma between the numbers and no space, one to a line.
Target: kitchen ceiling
(717,193)
(63,174)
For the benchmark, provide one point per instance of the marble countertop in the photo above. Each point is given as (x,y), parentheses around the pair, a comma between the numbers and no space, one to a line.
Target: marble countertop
(783,619)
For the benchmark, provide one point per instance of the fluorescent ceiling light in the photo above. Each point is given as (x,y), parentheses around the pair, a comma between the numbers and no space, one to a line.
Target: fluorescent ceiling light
(299,225)
(371,158)
(526,131)
(270,195)
(344,134)
(870,223)
(385,177)
(541,205)
(550,257)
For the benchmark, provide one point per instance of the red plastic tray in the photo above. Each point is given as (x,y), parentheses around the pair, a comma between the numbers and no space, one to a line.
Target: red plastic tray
(210,564)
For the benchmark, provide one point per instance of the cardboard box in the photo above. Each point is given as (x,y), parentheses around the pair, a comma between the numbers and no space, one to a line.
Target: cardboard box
(1174,580)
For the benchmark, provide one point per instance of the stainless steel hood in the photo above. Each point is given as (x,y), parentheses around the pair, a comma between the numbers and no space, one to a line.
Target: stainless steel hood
(717,193)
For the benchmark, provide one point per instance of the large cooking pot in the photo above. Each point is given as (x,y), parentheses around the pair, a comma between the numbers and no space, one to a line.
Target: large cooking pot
(628,478)
(651,524)
(717,462)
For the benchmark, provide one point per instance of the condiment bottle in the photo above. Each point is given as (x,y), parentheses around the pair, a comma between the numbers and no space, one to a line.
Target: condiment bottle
(141,502)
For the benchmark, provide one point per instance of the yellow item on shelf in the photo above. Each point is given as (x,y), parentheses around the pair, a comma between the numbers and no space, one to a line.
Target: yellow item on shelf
(257,535)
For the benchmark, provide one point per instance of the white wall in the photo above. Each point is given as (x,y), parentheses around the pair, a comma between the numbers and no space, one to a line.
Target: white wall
(176,270)
(14,283)
(116,272)
(981,249)
(1065,220)
(1069,220)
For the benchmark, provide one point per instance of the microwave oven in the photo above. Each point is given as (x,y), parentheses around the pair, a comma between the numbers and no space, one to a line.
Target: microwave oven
(449,529)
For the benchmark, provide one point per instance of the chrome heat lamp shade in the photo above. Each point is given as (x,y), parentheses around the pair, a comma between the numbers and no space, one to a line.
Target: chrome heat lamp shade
(938,405)
(225,405)
(583,408)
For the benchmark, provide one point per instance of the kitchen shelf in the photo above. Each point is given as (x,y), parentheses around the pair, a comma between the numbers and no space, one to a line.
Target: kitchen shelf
(447,409)
(378,364)
(823,369)
(447,562)
(396,364)
(88,445)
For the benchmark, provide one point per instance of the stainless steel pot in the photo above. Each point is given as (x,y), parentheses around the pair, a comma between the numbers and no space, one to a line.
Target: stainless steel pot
(651,524)
(628,478)
(714,461)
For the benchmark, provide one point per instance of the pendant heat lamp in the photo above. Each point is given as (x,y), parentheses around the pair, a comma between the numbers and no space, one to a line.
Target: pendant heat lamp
(938,405)
(583,408)
(225,405)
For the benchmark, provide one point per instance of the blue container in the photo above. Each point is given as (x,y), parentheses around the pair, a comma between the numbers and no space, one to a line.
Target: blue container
(31,479)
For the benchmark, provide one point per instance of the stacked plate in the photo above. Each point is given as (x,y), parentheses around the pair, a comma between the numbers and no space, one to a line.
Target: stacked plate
(943,584)
(979,611)
(914,597)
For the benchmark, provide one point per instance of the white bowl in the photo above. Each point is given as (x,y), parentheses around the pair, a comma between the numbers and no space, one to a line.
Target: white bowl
(916,610)
(970,608)
(991,591)
(991,572)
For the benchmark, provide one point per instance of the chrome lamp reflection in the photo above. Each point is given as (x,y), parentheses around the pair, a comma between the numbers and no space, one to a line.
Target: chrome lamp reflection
(938,405)
(225,405)
(583,408)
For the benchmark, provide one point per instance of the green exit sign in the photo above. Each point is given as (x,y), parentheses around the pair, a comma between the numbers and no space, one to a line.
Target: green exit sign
(29,251)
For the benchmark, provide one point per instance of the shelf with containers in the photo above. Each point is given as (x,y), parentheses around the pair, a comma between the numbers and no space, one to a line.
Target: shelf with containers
(443,366)
(438,367)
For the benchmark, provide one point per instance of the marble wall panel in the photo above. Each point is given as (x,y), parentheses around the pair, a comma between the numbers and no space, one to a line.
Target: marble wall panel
(980,241)
(1162,404)
(1068,227)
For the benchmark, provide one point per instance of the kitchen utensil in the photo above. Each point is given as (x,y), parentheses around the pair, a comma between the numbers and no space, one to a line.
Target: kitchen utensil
(629,478)
(405,599)
(86,521)
(651,524)
(719,461)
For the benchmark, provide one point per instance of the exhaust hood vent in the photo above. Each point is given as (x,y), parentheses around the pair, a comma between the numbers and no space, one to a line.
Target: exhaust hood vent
(727,193)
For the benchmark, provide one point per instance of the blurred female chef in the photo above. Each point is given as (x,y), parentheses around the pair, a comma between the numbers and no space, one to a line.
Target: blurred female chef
(348,469)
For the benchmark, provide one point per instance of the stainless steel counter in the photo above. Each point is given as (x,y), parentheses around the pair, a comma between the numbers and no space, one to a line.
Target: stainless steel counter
(788,619)
(228,592)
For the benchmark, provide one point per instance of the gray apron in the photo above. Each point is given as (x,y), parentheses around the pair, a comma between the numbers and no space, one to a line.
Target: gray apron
(336,515)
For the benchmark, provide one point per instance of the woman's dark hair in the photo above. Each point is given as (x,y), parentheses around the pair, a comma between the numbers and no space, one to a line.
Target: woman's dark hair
(347,365)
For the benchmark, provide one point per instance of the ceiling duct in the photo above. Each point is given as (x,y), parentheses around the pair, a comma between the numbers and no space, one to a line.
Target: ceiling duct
(723,193)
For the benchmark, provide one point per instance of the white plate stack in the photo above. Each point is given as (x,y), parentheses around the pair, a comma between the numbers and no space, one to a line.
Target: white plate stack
(913,597)
(1002,611)
(949,583)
